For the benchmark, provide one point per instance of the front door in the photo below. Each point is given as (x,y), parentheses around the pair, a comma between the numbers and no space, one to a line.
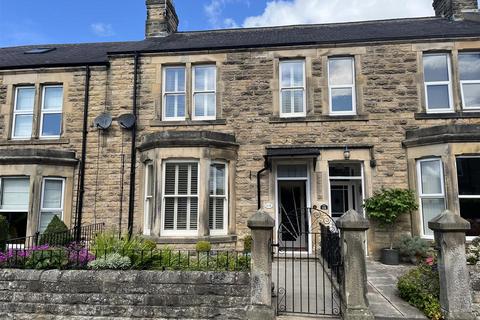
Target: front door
(292,200)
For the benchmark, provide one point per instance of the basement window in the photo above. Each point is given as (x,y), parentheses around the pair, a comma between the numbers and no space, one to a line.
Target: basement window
(39,50)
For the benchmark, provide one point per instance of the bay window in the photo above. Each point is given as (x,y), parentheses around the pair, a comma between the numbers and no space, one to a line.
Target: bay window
(174,92)
(23,113)
(204,92)
(51,113)
(180,198)
(14,203)
(341,83)
(469,65)
(431,190)
(52,201)
(438,82)
(292,88)
(468,174)
(218,202)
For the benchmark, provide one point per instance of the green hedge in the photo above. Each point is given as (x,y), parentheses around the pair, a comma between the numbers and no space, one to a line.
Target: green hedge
(421,288)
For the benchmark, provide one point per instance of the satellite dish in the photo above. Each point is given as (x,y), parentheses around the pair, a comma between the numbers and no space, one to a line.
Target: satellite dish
(127,121)
(103,121)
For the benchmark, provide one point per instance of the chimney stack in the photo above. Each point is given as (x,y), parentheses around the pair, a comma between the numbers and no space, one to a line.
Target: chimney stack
(455,9)
(162,20)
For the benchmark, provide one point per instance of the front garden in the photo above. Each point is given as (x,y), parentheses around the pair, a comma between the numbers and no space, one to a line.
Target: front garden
(57,249)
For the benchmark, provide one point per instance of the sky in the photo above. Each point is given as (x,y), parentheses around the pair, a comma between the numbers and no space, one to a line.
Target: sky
(24,22)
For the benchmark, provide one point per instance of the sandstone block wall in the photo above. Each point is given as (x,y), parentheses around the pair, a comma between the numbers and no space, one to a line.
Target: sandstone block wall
(62,295)
(475,282)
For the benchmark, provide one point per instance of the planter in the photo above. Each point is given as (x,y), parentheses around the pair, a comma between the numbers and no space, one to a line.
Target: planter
(390,257)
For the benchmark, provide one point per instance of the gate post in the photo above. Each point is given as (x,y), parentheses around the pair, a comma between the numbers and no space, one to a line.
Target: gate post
(261,225)
(355,304)
(455,295)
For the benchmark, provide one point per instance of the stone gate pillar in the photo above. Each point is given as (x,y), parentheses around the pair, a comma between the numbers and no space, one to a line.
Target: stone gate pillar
(455,295)
(261,225)
(354,285)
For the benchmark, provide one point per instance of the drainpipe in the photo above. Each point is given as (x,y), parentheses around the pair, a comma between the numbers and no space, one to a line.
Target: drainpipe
(259,187)
(133,160)
(81,171)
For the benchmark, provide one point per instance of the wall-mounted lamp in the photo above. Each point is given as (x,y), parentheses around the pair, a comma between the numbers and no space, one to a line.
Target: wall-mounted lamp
(346,153)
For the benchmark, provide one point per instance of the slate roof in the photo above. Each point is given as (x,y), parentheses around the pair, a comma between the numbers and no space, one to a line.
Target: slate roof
(328,34)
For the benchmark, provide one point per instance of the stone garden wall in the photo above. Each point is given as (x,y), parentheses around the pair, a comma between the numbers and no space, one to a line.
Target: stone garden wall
(53,294)
(475,282)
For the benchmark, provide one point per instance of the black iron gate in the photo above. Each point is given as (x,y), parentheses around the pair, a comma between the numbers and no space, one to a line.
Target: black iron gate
(307,267)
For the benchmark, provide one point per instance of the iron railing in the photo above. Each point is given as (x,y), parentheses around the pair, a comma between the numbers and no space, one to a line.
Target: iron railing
(330,250)
(77,256)
(87,233)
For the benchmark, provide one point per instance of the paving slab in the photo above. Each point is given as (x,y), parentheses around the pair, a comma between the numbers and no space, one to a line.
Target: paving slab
(385,301)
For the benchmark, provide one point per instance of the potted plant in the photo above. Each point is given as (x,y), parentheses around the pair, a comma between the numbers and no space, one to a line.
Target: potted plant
(385,207)
(413,249)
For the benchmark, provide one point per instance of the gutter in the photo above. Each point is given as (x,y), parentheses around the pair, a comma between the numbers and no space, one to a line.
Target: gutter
(259,187)
(133,160)
(81,171)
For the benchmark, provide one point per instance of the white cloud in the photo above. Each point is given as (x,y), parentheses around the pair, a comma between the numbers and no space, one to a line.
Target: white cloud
(214,12)
(101,29)
(283,12)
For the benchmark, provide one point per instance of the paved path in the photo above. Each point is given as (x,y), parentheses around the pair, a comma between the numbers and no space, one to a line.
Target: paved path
(385,301)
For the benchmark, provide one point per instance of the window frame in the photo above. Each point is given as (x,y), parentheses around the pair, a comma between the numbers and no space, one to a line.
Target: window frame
(56,111)
(458,187)
(225,197)
(194,92)
(427,84)
(303,88)
(148,198)
(174,93)
(422,196)
(175,232)
(342,86)
(462,82)
(16,113)
(42,198)
(2,178)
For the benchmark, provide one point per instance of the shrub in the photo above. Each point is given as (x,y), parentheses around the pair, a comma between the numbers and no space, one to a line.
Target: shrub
(3,233)
(56,234)
(47,258)
(150,245)
(473,251)
(413,248)
(247,243)
(203,246)
(421,288)
(387,205)
(112,261)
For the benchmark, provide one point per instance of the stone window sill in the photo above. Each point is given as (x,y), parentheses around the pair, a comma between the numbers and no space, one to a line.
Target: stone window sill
(193,240)
(360,117)
(160,123)
(34,142)
(450,115)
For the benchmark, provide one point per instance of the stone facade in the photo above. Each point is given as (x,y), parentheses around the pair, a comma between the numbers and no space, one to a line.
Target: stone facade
(123,295)
(475,282)
(390,101)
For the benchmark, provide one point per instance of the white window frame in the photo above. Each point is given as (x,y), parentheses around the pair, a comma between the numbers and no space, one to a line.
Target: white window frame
(462,82)
(51,111)
(50,210)
(175,232)
(465,196)
(343,86)
(194,92)
(225,197)
(293,88)
(439,83)
(422,196)
(2,178)
(173,93)
(20,112)
(147,215)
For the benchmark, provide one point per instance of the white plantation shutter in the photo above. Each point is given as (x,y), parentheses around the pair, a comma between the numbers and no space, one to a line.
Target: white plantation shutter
(181,196)
(15,194)
(218,197)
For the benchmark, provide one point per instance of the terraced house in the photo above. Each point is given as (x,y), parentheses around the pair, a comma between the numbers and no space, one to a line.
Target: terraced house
(171,136)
